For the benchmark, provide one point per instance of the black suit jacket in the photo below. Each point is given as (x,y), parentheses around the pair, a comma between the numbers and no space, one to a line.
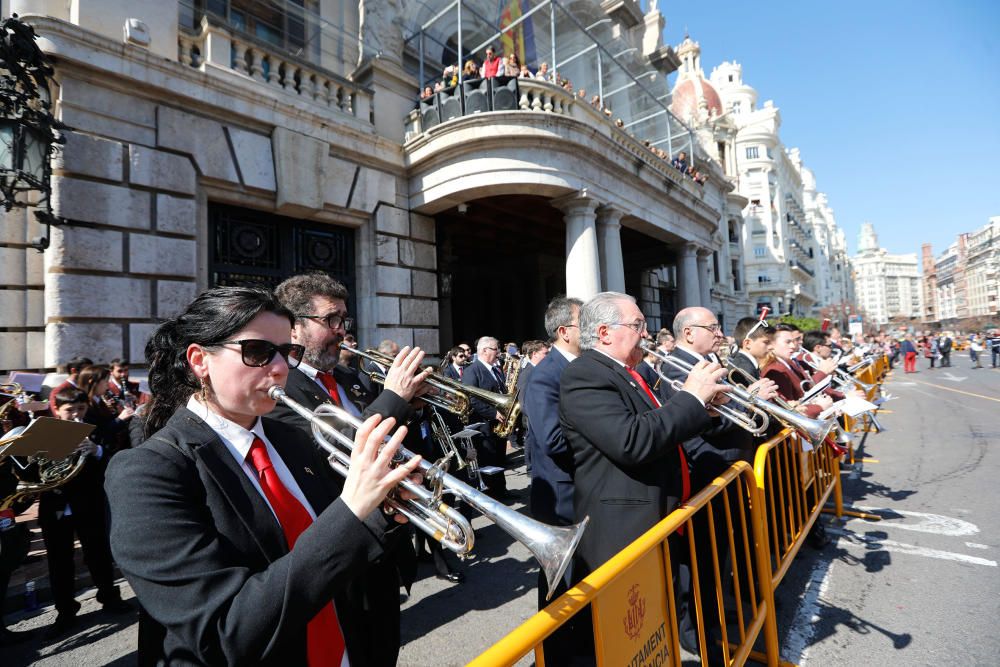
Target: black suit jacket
(450,372)
(550,456)
(741,360)
(209,562)
(477,375)
(625,458)
(717,447)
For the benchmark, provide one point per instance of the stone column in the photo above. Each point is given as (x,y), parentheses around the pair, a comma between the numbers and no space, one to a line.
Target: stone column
(705,277)
(583,267)
(690,285)
(610,248)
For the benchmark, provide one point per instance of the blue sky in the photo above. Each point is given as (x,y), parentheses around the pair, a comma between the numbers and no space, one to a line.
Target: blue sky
(894,105)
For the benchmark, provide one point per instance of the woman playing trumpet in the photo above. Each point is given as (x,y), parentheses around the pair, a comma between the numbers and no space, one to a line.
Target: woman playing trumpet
(237,538)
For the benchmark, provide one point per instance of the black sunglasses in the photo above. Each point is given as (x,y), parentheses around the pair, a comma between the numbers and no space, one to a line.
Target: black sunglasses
(257,353)
(332,321)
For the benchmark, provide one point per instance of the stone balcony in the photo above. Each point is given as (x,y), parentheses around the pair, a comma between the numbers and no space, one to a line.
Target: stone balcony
(219,46)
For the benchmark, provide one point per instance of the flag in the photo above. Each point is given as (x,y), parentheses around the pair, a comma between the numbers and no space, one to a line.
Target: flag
(520,39)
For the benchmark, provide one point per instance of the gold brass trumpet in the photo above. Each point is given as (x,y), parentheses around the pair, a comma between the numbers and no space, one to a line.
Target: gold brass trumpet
(552,546)
(452,395)
(814,429)
(754,420)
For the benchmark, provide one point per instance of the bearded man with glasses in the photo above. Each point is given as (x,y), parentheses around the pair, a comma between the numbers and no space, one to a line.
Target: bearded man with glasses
(318,304)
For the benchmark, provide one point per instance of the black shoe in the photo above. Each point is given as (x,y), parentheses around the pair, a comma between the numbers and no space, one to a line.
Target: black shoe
(12,637)
(818,537)
(64,622)
(453,577)
(118,606)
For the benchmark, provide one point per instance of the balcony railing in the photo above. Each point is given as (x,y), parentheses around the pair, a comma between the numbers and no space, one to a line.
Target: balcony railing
(796,264)
(216,45)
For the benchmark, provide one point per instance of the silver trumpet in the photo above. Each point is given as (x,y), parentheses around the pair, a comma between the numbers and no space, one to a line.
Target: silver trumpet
(843,378)
(552,546)
(754,420)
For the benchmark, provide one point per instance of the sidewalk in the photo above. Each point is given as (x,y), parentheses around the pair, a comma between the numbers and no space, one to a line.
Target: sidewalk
(34,568)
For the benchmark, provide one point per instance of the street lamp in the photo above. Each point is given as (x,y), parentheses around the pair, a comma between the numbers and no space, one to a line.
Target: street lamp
(28,132)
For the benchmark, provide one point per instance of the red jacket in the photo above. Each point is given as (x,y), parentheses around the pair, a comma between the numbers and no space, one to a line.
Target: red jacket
(789,384)
(491,67)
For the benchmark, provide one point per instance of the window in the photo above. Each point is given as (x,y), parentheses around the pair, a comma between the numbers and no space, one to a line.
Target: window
(769,153)
(752,153)
(736,275)
(759,251)
(715,265)
(289,25)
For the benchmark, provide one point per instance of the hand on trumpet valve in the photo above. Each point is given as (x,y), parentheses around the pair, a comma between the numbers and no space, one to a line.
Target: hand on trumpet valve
(823,401)
(405,376)
(371,475)
(32,406)
(703,382)
(826,365)
(126,413)
(764,389)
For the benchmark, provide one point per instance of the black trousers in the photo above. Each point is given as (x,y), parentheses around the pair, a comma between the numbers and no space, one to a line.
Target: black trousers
(87,522)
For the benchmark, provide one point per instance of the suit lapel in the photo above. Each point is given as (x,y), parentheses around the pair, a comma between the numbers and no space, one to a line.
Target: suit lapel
(305,385)
(239,491)
(351,385)
(624,376)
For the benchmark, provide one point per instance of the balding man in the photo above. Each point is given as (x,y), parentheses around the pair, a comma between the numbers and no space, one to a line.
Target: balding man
(484,373)
(628,469)
(698,337)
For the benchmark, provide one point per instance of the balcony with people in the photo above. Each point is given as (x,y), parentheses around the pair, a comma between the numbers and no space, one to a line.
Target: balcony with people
(566,79)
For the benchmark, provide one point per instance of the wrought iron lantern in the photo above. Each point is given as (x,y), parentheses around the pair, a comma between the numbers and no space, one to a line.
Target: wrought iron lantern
(29,134)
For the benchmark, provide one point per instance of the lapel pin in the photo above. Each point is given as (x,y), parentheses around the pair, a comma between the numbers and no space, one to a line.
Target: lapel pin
(308,470)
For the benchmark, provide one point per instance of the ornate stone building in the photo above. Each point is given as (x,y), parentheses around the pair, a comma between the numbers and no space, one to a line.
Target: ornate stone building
(227,141)
(887,286)
(796,255)
(965,279)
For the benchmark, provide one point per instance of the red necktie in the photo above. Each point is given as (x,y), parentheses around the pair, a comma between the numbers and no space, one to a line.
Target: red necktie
(325,642)
(685,474)
(331,386)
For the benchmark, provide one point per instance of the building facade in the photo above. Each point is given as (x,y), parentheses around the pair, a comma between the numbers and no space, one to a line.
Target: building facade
(233,142)
(795,254)
(982,271)
(886,286)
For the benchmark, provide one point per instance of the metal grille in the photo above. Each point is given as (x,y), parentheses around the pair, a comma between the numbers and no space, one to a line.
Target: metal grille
(255,248)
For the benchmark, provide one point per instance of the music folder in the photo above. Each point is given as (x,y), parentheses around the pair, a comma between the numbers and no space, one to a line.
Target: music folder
(55,439)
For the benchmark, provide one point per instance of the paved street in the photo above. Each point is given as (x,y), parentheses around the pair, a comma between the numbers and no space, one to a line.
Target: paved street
(919,588)
(922,586)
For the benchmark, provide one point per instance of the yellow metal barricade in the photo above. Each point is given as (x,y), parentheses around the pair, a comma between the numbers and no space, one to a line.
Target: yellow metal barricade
(793,486)
(632,599)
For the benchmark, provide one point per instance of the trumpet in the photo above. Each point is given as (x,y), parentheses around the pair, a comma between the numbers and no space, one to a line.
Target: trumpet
(552,546)
(754,420)
(814,429)
(452,395)
(842,377)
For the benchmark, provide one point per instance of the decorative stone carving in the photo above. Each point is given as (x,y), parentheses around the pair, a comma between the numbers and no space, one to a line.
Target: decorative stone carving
(381,34)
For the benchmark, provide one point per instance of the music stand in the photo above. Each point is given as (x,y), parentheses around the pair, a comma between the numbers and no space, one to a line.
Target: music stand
(53,438)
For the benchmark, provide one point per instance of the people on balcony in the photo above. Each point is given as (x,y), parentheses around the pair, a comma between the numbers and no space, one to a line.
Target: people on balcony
(471,70)
(525,73)
(511,66)
(543,73)
(492,65)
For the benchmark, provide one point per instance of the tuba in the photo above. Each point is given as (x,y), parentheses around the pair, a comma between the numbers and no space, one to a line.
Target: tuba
(51,474)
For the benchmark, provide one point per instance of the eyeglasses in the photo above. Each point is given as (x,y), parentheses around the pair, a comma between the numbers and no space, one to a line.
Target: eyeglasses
(257,353)
(570,326)
(490,348)
(332,321)
(639,326)
(714,328)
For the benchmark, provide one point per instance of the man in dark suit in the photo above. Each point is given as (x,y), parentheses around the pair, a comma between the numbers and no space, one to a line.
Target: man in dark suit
(319,304)
(944,347)
(628,469)
(551,460)
(484,374)
(709,453)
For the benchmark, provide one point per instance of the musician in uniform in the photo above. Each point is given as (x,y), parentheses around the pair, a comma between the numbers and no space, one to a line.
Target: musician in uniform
(238,539)
(491,448)
(699,335)
(318,304)
(77,509)
(629,471)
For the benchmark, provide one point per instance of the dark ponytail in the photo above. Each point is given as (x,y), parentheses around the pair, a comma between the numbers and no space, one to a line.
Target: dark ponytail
(214,316)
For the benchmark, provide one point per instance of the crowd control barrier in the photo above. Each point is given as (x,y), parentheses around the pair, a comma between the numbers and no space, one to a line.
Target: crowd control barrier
(735,541)
(716,539)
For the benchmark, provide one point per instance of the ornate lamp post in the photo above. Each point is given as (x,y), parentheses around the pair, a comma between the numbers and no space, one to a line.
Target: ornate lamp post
(28,132)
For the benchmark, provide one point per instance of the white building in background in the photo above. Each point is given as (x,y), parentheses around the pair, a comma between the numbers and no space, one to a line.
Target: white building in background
(982,270)
(886,286)
(795,254)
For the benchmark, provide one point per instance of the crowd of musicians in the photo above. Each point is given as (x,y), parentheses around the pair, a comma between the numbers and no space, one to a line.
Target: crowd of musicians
(244,546)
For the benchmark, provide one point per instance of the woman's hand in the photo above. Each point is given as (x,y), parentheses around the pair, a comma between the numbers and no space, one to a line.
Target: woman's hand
(371,476)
